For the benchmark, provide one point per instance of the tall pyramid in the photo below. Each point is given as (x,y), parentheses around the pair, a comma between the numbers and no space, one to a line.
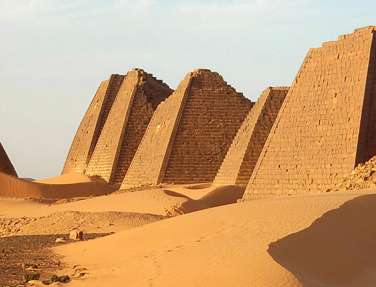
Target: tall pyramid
(244,152)
(5,163)
(190,133)
(326,125)
(129,116)
(91,126)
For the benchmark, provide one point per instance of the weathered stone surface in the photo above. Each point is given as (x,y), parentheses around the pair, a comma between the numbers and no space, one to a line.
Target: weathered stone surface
(326,123)
(244,152)
(5,163)
(91,126)
(129,117)
(123,126)
(189,133)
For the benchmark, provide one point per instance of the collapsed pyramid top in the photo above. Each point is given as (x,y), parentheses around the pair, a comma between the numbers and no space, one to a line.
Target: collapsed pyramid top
(5,163)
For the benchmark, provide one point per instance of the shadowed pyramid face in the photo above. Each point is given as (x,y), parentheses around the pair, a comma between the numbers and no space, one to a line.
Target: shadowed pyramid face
(5,163)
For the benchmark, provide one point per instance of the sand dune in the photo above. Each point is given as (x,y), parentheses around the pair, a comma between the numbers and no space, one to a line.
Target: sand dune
(165,201)
(67,179)
(329,237)
(67,188)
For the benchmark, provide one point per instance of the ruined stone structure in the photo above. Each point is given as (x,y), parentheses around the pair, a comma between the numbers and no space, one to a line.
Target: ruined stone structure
(91,126)
(326,125)
(5,163)
(244,152)
(117,127)
(190,133)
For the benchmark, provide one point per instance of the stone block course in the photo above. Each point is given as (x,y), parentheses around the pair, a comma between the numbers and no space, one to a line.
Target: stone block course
(127,121)
(246,147)
(114,125)
(325,126)
(189,133)
(91,126)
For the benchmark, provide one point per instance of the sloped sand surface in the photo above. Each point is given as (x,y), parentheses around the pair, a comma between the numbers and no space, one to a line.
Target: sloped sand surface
(66,179)
(169,200)
(14,187)
(310,240)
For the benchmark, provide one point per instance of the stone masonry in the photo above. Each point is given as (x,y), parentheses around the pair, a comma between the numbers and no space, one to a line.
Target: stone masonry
(91,126)
(5,163)
(138,97)
(326,123)
(190,133)
(244,152)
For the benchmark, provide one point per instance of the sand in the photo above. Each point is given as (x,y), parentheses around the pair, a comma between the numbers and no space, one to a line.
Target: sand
(308,240)
(56,188)
(197,235)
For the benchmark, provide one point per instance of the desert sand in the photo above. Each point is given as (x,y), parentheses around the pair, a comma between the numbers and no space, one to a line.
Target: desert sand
(307,240)
(59,187)
(199,235)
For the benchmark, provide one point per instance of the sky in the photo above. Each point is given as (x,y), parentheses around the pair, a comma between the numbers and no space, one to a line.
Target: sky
(54,53)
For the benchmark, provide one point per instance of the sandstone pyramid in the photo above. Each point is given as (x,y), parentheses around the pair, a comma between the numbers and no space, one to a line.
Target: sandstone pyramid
(243,154)
(190,133)
(91,126)
(122,126)
(5,163)
(326,125)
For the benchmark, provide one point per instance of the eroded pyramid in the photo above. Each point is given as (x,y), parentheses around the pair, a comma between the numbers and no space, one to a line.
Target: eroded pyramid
(130,114)
(5,163)
(326,125)
(244,151)
(91,126)
(190,133)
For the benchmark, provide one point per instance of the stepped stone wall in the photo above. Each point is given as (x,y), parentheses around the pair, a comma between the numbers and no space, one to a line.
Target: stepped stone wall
(212,115)
(106,150)
(189,133)
(124,128)
(246,147)
(91,126)
(150,93)
(5,163)
(149,160)
(325,126)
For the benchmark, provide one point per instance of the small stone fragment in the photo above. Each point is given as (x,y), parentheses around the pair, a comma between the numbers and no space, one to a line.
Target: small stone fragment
(76,235)
(60,240)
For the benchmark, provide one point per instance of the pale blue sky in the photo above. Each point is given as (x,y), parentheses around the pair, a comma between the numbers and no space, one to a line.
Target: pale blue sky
(54,53)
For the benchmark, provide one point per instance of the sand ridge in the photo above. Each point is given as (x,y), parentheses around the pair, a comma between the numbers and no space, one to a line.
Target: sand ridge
(233,245)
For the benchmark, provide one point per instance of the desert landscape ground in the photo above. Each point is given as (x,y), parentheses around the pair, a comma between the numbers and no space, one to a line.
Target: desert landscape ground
(199,186)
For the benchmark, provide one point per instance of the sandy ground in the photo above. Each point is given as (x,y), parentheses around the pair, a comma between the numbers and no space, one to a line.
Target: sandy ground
(197,235)
(23,221)
(311,240)
(57,188)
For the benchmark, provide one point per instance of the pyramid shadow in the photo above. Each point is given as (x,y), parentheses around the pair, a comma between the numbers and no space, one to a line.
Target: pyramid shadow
(338,249)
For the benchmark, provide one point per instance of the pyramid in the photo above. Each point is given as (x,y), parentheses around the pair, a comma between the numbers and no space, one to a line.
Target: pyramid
(91,126)
(5,163)
(243,154)
(326,123)
(129,116)
(190,133)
